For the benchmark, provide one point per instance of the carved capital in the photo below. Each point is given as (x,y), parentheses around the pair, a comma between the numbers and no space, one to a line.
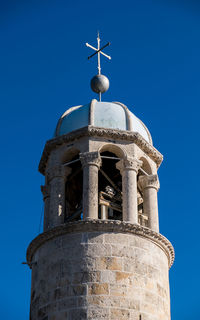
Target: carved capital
(150,181)
(129,164)
(90,158)
(58,171)
(45,191)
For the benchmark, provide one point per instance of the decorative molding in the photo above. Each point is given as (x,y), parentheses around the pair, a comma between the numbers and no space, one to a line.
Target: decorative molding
(150,181)
(102,226)
(90,158)
(129,164)
(91,131)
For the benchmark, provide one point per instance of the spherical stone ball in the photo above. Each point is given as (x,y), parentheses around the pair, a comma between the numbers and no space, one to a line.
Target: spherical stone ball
(99,83)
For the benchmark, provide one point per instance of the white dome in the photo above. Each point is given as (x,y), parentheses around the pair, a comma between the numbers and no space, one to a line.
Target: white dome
(113,115)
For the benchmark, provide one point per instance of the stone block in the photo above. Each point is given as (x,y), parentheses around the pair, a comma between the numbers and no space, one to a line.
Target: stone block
(122,314)
(103,301)
(71,240)
(134,315)
(109,263)
(77,290)
(143,256)
(134,304)
(85,277)
(92,237)
(132,265)
(162,291)
(149,308)
(113,238)
(97,313)
(58,316)
(96,250)
(151,297)
(67,303)
(118,290)
(98,288)
(153,273)
(76,314)
(124,302)
(119,250)
(84,265)
(107,276)
(122,277)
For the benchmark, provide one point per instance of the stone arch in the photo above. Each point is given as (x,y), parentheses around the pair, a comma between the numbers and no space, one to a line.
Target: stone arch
(118,151)
(146,166)
(110,183)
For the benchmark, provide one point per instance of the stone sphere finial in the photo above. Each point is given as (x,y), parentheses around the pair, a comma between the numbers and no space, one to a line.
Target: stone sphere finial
(99,83)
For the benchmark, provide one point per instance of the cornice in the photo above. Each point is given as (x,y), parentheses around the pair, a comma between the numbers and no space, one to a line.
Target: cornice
(91,131)
(102,226)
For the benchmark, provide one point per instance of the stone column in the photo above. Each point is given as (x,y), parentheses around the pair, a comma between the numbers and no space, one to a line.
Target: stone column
(56,177)
(128,168)
(149,186)
(46,198)
(91,161)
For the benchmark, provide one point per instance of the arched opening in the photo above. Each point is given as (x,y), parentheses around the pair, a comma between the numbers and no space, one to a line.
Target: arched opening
(114,149)
(143,219)
(74,189)
(109,187)
(146,166)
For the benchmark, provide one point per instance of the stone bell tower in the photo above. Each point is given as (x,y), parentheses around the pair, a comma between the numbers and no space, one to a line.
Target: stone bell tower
(101,255)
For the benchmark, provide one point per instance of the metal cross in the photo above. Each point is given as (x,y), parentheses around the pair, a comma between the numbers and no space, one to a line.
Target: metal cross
(98,52)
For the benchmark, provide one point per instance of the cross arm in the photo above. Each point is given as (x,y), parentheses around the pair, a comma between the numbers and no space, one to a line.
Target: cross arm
(105,55)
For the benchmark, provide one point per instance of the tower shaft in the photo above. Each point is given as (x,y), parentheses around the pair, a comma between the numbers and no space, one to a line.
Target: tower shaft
(100,255)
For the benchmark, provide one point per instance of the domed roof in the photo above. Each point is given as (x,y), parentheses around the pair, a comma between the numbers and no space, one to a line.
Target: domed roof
(112,115)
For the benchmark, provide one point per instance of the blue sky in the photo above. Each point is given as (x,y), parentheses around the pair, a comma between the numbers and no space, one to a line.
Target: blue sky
(154,70)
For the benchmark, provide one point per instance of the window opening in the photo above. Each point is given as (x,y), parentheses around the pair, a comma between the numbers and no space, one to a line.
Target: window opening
(74,191)
(110,188)
(143,219)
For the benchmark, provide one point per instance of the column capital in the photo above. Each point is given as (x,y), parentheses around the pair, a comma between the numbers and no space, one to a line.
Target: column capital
(150,181)
(90,158)
(129,163)
(58,170)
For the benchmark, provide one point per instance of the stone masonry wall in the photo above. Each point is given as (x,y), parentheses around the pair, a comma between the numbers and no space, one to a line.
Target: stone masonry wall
(98,275)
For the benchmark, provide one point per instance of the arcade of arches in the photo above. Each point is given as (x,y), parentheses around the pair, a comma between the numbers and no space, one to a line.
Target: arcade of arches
(110,189)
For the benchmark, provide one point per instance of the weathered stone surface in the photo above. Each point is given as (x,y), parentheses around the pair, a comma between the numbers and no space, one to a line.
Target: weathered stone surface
(98,288)
(100,275)
(120,314)
(100,268)
(105,134)
(109,263)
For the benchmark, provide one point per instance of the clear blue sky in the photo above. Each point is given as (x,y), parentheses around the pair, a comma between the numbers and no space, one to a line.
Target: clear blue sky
(155,71)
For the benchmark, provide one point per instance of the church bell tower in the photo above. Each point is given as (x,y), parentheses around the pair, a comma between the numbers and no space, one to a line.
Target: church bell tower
(100,255)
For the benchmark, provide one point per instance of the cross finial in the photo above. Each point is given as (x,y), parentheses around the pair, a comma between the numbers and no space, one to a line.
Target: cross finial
(98,52)
(99,83)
